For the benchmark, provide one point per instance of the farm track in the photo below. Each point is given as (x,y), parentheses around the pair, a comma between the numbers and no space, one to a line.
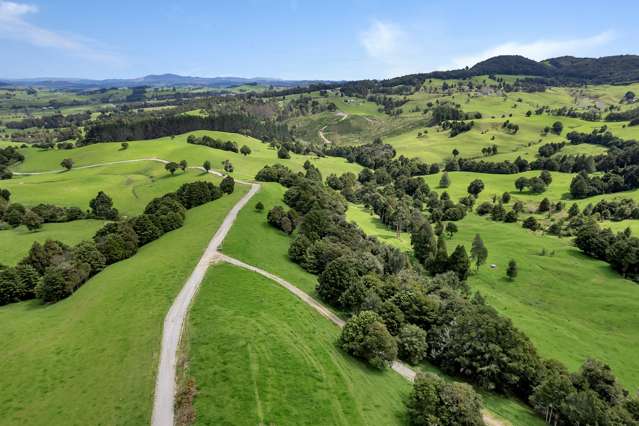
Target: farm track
(164,398)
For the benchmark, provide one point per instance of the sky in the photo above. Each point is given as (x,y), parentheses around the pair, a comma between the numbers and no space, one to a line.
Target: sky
(297,39)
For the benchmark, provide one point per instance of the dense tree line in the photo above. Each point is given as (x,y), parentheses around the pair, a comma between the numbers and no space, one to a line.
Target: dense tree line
(398,310)
(213,143)
(15,214)
(53,271)
(54,121)
(627,115)
(620,250)
(457,127)
(126,129)
(8,157)
(371,155)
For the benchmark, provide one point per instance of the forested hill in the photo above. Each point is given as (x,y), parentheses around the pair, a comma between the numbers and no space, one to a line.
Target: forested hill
(563,70)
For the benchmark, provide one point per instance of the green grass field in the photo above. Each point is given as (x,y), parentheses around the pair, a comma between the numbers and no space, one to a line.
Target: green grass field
(15,243)
(571,306)
(176,149)
(271,254)
(259,355)
(92,358)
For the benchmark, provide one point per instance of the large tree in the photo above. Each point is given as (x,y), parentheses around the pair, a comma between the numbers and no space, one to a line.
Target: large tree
(478,252)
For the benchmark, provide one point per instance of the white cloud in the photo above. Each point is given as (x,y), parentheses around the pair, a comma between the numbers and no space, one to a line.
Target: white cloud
(14,26)
(538,50)
(391,47)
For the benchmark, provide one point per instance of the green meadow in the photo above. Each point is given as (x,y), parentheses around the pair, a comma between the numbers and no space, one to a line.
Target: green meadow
(176,149)
(259,355)
(101,345)
(572,307)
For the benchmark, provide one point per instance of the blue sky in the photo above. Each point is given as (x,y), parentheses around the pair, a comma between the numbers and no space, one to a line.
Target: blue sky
(296,39)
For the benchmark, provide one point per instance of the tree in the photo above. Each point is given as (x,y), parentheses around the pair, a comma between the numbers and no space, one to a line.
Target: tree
(455,152)
(544,205)
(423,243)
(124,145)
(475,187)
(546,177)
(259,206)
(478,252)
(67,163)
(102,207)
(336,278)
(531,223)
(537,186)
(283,154)
(171,167)
(365,336)
(32,220)
(206,166)
(227,185)
(459,263)
(557,127)
(505,197)
(412,346)
(15,214)
(436,402)
(444,182)
(521,183)
(183,165)
(228,167)
(573,210)
(245,150)
(451,229)
(511,272)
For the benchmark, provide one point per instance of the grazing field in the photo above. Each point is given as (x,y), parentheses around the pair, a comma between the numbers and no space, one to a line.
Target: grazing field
(176,149)
(251,227)
(259,355)
(131,186)
(255,242)
(571,306)
(15,243)
(92,357)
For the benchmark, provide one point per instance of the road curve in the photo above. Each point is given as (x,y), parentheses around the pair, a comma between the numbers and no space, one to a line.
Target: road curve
(111,163)
(399,367)
(164,399)
(163,404)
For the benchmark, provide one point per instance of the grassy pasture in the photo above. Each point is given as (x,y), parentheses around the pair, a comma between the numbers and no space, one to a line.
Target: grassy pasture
(259,355)
(571,306)
(15,243)
(92,358)
(254,241)
(130,185)
(176,149)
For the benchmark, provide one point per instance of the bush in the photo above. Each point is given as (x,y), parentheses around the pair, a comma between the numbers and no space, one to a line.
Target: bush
(531,223)
(102,207)
(116,241)
(412,344)
(435,402)
(227,185)
(336,278)
(365,336)
(145,229)
(87,252)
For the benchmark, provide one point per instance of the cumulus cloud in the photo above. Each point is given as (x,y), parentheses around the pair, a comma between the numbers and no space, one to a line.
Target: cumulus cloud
(391,47)
(539,50)
(15,26)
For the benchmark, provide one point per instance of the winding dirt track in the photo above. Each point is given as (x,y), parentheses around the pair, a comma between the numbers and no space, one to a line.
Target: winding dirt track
(164,399)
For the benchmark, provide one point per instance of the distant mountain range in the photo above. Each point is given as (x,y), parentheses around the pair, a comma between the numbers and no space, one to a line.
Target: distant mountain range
(159,80)
(565,69)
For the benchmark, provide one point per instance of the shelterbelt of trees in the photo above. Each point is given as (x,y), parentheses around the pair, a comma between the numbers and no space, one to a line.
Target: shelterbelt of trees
(53,271)
(134,128)
(423,309)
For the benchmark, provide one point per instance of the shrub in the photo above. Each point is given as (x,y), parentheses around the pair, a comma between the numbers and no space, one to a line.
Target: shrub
(102,207)
(412,343)
(435,402)
(365,336)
